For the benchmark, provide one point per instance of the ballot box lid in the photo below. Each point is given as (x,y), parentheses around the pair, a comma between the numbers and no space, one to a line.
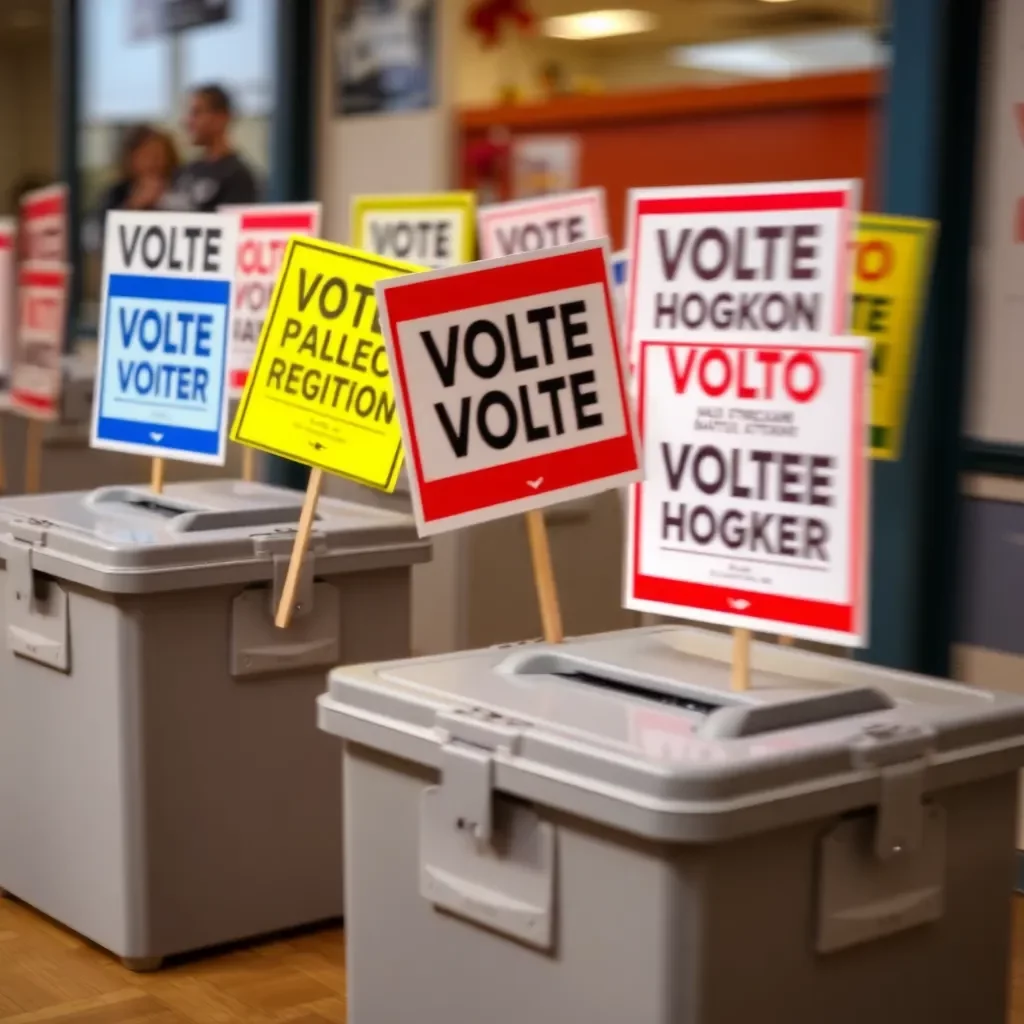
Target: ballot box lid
(130,540)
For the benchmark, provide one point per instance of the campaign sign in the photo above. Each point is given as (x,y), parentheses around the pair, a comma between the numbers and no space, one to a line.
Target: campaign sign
(753,509)
(36,376)
(529,225)
(510,384)
(43,217)
(730,262)
(620,274)
(434,230)
(320,390)
(263,233)
(8,232)
(165,309)
(892,259)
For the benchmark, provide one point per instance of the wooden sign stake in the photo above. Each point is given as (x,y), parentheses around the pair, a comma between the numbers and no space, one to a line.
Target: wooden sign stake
(33,456)
(156,476)
(286,608)
(786,641)
(248,464)
(544,577)
(740,659)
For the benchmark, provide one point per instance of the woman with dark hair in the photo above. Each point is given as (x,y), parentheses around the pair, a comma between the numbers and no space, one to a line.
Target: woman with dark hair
(149,161)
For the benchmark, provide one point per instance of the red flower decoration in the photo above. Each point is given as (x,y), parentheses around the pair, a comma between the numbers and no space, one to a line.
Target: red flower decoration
(487,17)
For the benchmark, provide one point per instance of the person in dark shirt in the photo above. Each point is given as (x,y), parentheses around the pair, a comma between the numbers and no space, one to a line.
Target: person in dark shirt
(149,162)
(219,176)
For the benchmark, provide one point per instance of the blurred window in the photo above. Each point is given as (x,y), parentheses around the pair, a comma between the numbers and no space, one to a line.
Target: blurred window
(134,72)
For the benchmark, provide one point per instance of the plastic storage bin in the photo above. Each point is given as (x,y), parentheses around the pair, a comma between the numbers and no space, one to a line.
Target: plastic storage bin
(163,785)
(601,831)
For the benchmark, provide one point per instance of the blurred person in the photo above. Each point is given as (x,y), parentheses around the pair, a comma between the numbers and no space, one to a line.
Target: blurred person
(220,176)
(149,162)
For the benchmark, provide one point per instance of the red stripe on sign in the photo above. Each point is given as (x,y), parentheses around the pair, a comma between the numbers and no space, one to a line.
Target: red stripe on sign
(771,607)
(238,379)
(277,222)
(33,401)
(6,242)
(42,278)
(497,485)
(48,206)
(472,286)
(744,203)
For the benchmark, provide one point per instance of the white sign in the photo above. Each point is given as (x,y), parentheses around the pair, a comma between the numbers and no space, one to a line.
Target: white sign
(8,240)
(36,376)
(43,215)
(166,304)
(753,509)
(730,262)
(263,233)
(510,382)
(533,224)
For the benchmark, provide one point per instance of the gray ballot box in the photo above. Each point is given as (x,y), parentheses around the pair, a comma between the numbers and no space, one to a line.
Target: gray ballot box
(163,785)
(602,831)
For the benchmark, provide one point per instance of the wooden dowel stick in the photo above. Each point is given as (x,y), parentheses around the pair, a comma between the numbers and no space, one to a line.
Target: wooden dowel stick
(248,464)
(786,641)
(544,577)
(291,581)
(740,659)
(33,457)
(156,476)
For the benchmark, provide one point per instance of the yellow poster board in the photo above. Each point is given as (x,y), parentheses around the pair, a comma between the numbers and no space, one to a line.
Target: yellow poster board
(319,391)
(434,230)
(892,263)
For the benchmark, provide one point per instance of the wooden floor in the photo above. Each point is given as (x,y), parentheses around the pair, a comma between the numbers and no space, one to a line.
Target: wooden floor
(47,974)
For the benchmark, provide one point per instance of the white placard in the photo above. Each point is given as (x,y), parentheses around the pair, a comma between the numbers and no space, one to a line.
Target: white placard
(37,375)
(511,384)
(753,509)
(530,225)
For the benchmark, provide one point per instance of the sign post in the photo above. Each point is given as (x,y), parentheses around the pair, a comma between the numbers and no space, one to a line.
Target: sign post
(166,304)
(433,231)
(512,392)
(319,391)
(263,233)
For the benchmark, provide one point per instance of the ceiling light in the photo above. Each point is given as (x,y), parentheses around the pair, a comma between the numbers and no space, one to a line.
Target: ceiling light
(785,56)
(599,24)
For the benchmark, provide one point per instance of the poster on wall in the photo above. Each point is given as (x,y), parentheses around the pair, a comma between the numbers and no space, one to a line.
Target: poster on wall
(383,56)
(544,164)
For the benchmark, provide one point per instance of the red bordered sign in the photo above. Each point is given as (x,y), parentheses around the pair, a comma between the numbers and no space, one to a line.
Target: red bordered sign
(529,225)
(511,387)
(753,507)
(731,262)
(43,225)
(37,376)
(263,233)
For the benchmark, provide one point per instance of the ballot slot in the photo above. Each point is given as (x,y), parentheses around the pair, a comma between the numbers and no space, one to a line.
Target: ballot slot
(631,684)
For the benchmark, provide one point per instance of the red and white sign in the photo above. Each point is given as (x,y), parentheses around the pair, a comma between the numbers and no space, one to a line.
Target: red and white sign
(510,384)
(44,225)
(36,376)
(8,238)
(263,233)
(753,509)
(730,262)
(530,225)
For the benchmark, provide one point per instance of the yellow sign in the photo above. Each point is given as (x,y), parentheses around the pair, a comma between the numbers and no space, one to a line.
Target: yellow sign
(435,230)
(892,260)
(319,390)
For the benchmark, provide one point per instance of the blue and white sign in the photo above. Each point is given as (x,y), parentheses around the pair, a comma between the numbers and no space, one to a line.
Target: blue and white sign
(166,306)
(620,270)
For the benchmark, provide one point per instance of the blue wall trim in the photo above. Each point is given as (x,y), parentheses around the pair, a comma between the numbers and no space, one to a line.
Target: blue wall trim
(928,149)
